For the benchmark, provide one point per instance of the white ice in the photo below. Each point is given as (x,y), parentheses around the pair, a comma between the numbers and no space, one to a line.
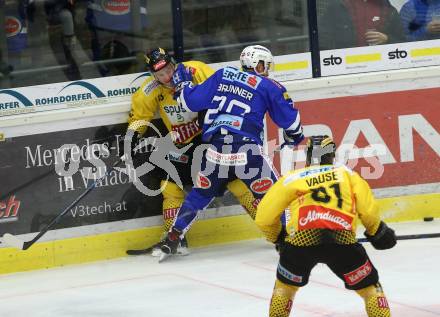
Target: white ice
(227,280)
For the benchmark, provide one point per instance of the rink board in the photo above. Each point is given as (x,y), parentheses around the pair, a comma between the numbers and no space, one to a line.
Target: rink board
(391,116)
(205,232)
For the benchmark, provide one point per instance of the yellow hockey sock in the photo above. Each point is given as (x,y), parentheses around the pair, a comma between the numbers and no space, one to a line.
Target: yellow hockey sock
(376,303)
(282,299)
(244,196)
(173,198)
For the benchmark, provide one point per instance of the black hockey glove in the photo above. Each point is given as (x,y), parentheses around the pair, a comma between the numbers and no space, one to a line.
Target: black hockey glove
(292,139)
(385,238)
(134,142)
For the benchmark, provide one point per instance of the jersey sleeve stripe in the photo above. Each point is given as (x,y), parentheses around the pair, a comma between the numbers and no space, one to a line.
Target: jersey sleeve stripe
(296,124)
(181,100)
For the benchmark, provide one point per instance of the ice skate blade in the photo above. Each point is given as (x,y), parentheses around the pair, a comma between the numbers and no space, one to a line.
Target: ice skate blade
(163,256)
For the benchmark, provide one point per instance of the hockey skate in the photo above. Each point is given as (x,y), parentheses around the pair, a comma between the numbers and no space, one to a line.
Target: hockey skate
(171,245)
(182,248)
(155,249)
(152,249)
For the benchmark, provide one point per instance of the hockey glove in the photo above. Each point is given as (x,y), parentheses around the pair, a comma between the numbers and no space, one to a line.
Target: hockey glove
(292,139)
(133,143)
(385,238)
(182,77)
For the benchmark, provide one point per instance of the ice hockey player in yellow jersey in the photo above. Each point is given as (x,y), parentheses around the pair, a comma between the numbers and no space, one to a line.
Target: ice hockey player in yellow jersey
(156,95)
(324,202)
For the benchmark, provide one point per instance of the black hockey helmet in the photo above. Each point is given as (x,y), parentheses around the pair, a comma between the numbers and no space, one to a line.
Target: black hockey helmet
(157,59)
(321,150)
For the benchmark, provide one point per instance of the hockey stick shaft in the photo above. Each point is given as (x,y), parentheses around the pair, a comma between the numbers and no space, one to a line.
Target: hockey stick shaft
(410,236)
(28,244)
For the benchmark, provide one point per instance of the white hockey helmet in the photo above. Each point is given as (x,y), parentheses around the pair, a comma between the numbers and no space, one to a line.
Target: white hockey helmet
(252,55)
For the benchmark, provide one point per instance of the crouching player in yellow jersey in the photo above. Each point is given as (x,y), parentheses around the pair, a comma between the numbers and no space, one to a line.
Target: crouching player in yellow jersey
(156,95)
(325,201)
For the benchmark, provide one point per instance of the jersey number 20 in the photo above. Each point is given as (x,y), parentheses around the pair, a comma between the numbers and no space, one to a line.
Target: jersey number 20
(230,108)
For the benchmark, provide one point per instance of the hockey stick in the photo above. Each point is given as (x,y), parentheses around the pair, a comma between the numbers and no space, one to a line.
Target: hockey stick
(141,251)
(15,242)
(410,237)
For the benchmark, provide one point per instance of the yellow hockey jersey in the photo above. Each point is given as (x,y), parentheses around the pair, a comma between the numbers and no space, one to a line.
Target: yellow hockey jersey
(324,203)
(152,97)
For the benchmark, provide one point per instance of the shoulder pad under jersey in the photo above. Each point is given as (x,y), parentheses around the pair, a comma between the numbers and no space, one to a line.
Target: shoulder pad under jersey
(344,167)
(150,86)
(193,66)
(199,70)
(277,84)
(292,176)
(306,172)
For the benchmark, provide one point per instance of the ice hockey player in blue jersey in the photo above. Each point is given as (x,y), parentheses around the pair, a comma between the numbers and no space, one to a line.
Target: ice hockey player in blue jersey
(236,102)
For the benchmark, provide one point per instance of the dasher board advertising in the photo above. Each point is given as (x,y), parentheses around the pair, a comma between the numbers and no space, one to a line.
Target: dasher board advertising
(392,139)
(380,57)
(33,192)
(80,93)
(114,89)
(43,173)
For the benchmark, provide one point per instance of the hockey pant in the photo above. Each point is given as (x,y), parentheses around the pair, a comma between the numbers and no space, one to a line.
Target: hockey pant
(173,198)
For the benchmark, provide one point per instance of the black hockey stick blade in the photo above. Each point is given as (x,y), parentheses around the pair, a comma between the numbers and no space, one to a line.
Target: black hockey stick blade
(164,256)
(140,251)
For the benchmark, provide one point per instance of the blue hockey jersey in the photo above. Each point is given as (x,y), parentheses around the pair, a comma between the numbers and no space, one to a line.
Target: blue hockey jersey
(237,101)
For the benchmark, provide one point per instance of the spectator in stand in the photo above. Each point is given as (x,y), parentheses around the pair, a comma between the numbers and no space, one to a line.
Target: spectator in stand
(421,19)
(115,33)
(61,13)
(352,23)
(5,68)
(61,30)
(16,26)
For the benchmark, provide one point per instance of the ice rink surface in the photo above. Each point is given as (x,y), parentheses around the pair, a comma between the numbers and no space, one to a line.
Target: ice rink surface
(227,280)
